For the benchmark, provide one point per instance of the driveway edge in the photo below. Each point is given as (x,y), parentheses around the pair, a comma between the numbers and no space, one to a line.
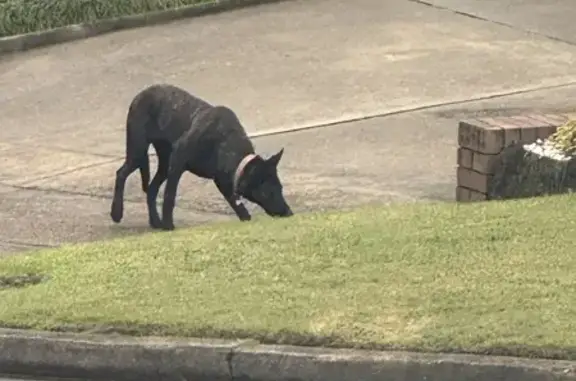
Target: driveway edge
(45,354)
(69,33)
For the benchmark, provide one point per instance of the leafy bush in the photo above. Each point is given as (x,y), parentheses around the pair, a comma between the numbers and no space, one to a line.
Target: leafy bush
(24,16)
(565,138)
(522,174)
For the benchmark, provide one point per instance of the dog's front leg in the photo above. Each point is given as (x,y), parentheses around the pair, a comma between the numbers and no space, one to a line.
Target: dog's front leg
(174,174)
(234,201)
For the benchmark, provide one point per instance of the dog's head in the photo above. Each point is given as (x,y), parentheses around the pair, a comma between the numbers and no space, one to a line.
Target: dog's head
(259,183)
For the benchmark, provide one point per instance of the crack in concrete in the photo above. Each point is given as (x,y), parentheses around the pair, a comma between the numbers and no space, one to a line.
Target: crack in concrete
(74,151)
(60,191)
(409,109)
(336,122)
(100,197)
(232,353)
(495,22)
(281,131)
(68,171)
(25,244)
(229,359)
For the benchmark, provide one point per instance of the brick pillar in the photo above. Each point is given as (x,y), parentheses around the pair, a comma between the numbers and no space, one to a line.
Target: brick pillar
(481,140)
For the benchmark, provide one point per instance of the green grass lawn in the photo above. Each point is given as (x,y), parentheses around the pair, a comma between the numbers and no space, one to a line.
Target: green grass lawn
(496,277)
(24,16)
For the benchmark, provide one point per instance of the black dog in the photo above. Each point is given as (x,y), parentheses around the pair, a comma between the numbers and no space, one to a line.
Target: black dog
(189,134)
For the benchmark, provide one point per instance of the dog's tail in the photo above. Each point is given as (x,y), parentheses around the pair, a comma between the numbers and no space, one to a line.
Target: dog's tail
(136,141)
(145,172)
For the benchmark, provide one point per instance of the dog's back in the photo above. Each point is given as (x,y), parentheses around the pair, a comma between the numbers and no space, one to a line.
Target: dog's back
(166,112)
(163,112)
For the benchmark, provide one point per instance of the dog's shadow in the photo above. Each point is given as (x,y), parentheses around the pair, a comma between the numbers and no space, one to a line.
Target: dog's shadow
(139,228)
(118,230)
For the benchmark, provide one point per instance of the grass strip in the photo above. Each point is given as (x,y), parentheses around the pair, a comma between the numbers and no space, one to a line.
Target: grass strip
(25,16)
(491,278)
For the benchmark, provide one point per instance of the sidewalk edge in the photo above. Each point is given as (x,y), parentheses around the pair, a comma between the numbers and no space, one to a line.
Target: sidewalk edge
(31,353)
(23,42)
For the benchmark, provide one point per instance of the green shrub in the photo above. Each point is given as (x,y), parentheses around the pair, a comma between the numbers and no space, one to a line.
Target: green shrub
(24,16)
(565,138)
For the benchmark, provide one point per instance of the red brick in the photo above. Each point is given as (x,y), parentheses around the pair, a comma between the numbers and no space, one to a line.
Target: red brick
(510,126)
(468,134)
(468,195)
(462,194)
(473,180)
(544,120)
(522,128)
(479,136)
(545,132)
(527,122)
(529,134)
(483,163)
(491,141)
(556,119)
(533,129)
(502,122)
(477,196)
(512,135)
(465,157)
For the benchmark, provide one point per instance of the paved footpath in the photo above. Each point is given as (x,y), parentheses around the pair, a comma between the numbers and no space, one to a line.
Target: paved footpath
(281,66)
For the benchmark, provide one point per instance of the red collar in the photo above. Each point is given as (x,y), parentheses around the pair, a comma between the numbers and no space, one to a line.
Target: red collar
(240,170)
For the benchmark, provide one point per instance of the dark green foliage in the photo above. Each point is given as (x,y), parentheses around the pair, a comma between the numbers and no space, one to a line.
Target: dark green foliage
(522,174)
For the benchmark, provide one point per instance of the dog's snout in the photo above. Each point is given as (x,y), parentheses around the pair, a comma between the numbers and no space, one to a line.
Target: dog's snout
(287,212)
(281,212)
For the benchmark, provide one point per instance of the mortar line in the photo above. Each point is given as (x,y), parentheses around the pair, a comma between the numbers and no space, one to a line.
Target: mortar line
(501,23)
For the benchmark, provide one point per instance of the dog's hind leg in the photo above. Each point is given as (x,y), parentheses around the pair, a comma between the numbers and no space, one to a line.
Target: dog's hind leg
(122,174)
(136,153)
(145,173)
(163,150)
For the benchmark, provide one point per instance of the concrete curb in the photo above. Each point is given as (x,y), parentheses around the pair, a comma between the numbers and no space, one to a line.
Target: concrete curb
(80,31)
(45,354)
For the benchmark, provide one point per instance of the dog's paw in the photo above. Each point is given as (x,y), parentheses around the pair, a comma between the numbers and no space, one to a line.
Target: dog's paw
(155,224)
(168,226)
(244,216)
(116,215)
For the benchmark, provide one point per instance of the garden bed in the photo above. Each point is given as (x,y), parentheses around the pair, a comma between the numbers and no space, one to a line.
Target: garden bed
(515,157)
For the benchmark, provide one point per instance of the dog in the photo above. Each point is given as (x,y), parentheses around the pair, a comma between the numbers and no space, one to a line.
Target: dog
(189,134)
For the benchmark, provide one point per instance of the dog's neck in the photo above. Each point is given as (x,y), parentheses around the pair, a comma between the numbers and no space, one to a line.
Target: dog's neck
(240,170)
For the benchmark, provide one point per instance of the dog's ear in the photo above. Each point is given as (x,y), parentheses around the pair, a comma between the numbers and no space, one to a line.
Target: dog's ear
(275,159)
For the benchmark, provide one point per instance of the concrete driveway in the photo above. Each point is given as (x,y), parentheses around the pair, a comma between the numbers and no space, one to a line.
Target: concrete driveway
(281,66)
(551,18)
